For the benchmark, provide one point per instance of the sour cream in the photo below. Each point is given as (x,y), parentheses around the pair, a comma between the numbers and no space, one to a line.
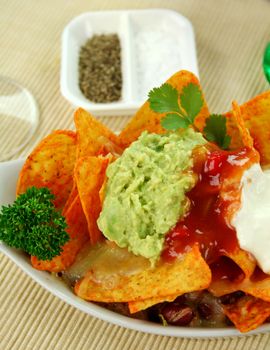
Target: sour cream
(252,221)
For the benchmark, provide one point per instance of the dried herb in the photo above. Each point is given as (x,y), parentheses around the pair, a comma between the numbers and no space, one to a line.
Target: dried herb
(100,76)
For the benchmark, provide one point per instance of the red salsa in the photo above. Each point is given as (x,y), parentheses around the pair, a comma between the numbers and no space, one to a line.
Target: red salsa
(213,200)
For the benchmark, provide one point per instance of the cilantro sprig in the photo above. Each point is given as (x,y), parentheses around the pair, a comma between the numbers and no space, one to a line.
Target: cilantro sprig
(215,130)
(182,109)
(32,224)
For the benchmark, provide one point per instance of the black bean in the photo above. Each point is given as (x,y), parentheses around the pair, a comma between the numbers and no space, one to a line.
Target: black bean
(231,298)
(181,299)
(175,314)
(205,311)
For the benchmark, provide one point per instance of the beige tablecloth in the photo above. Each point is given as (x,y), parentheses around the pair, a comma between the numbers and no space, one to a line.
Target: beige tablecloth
(231,36)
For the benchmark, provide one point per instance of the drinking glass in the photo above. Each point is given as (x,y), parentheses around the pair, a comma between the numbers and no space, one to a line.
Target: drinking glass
(19,117)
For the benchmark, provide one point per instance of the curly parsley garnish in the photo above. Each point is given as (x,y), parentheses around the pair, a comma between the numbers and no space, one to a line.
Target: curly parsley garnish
(33,224)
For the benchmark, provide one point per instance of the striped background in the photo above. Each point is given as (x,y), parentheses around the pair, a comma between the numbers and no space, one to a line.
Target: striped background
(231,36)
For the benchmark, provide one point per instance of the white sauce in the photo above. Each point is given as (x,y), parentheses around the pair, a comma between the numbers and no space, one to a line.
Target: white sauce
(252,221)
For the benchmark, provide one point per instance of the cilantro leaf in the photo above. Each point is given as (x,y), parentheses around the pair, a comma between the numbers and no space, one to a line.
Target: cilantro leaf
(215,130)
(173,121)
(164,99)
(191,100)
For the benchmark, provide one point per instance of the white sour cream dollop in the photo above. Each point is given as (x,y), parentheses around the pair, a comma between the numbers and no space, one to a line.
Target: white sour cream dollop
(252,221)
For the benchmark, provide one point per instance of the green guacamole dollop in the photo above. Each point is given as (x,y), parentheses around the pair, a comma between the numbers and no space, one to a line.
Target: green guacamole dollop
(145,191)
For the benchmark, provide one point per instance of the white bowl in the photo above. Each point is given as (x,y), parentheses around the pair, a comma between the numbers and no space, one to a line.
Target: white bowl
(8,177)
(135,28)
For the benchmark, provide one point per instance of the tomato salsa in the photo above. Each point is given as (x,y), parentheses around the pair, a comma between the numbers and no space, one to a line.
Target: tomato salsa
(213,200)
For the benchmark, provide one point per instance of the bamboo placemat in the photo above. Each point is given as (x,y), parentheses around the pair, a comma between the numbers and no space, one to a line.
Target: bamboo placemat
(230,35)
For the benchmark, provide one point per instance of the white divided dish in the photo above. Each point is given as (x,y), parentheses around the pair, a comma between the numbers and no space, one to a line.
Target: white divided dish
(8,177)
(155,44)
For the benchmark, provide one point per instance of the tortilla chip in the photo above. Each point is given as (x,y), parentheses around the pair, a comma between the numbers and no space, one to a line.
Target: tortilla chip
(244,260)
(73,194)
(184,275)
(93,136)
(256,115)
(222,287)
(146,119)
(51,165)
(136,306)
(78,232)
(259,288)
(247,313)
(245,135)
(89,177)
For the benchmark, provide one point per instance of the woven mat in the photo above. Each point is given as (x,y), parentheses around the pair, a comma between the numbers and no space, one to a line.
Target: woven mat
(231,36)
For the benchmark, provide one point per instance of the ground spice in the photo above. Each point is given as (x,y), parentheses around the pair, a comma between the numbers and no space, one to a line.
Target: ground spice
(100,76)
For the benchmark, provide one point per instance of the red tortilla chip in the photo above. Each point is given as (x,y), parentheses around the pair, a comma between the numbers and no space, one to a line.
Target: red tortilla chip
(89,177)
(51,165)
(78,232)
(146,119)
(247,313)
(184,275)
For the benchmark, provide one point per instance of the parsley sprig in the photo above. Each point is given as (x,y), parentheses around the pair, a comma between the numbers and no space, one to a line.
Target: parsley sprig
(182,109)
(32,224)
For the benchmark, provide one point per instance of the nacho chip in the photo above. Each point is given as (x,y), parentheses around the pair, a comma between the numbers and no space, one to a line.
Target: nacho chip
(51,165)
(184,275)
(247,313)
(93,135)
(222,287)
(146,119)
(73,194)
(256,115)
(245,135)
(89,177)
(244,260)
(136,306)
(78,232)
(257,287)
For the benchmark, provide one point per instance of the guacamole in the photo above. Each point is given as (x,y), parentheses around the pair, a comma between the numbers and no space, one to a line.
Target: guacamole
(145,191)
